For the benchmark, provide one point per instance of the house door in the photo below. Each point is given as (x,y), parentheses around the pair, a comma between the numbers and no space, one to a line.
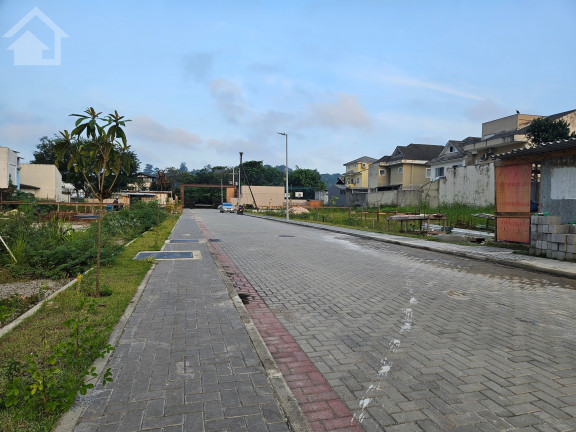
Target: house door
(513,189)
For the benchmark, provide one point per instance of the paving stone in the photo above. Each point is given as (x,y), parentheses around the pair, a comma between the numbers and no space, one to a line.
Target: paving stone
(178,366)
(499,349)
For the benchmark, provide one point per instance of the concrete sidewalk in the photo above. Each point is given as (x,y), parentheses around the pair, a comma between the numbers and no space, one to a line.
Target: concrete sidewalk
(484,253)
(187,358)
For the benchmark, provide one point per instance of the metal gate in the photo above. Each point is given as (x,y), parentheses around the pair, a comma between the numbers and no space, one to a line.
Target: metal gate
(513,187)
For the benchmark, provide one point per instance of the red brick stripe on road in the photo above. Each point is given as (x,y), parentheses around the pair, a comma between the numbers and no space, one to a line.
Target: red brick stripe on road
(322,407)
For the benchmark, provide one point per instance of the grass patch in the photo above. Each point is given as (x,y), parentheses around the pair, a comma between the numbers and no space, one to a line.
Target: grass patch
(375,219)
(62,340)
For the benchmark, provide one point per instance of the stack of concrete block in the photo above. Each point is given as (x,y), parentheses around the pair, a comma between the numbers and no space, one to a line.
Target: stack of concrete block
(550,238)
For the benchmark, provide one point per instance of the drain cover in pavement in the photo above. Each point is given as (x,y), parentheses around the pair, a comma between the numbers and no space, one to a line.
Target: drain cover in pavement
(168,255)
(184,241)
(286,236)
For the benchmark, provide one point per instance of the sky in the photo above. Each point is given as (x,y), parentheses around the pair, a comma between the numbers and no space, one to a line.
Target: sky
(204,80)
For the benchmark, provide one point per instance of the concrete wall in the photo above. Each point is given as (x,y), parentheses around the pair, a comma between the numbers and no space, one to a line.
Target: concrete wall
(388,197)
(355,198)
(398,197)
(571,120)
(512,122)
(395,176)
(431,194)
(472,185)
(337,195)
(46,178)
(557,188)
(264,196)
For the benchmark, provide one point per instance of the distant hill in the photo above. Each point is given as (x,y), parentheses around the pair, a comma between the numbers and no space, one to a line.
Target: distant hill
(330,179)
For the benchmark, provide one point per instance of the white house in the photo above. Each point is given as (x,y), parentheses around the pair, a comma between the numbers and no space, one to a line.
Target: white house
(44,181)
(9,168)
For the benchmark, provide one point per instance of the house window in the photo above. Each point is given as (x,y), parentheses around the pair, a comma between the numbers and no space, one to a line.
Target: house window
(452,149)
(400,170)
(439,172)
(363,165)
(382,172)
(428,172)
(357,180)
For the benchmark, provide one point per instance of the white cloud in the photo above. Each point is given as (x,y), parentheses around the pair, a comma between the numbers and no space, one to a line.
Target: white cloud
(398,77)
(345,111)
(148,129)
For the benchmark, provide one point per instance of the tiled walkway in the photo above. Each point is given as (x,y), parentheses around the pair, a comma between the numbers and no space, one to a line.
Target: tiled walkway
(185,362)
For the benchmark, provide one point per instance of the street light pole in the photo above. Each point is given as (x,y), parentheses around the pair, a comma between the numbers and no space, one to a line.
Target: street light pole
(240,181)
(287,191)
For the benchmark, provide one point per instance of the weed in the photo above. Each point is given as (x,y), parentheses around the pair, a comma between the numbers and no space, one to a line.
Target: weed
(40,385)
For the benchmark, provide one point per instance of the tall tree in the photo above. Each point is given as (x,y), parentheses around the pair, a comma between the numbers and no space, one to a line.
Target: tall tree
(100,155)
(150,170)
(45,154)
(544,129)
(308,179)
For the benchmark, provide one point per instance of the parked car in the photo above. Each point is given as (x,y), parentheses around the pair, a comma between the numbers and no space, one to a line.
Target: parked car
(227,208)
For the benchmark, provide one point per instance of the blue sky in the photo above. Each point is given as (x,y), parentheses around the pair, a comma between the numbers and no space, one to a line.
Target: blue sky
(204,80)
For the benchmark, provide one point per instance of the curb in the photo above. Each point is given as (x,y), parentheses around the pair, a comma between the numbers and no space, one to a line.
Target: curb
(461,253)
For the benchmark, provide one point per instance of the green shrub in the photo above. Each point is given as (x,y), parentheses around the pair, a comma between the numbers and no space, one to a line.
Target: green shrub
(52,249)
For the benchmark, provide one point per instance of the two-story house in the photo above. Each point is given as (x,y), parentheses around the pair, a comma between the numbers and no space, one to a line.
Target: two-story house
(356,175)
(506,134)
(452,156)
(379,173)
(408,165)
(143,182)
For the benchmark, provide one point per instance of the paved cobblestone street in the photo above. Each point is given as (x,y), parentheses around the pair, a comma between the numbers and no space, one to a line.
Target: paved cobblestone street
(408,339)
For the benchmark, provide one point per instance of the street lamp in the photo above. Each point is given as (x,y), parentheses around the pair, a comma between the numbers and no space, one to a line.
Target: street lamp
(240,181)
(287,210)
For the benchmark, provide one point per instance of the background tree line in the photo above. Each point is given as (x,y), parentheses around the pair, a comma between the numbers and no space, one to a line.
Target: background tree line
(254,173)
